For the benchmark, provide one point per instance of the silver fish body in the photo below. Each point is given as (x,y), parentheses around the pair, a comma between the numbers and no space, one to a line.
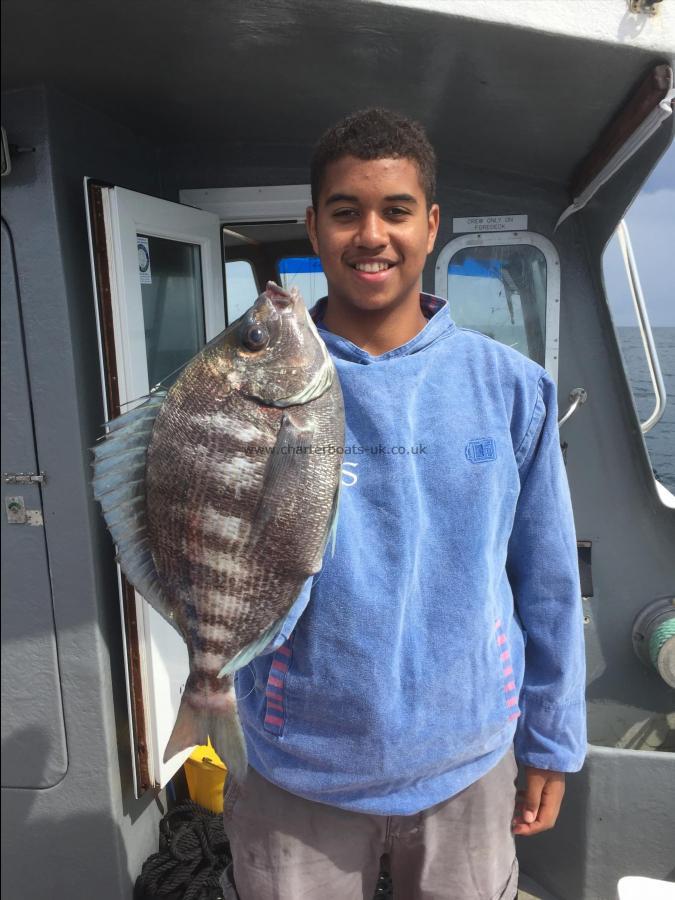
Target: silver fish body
(239,490)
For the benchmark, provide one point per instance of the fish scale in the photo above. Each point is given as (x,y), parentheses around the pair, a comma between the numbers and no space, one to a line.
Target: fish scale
(223,511)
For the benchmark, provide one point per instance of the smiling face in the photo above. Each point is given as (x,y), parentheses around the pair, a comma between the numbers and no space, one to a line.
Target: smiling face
(373,232)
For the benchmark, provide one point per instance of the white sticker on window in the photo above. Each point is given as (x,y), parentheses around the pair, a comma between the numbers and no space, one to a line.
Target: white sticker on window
(489,223)
(144,270)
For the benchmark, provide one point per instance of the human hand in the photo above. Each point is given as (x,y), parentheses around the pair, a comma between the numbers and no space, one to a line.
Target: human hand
(537,807)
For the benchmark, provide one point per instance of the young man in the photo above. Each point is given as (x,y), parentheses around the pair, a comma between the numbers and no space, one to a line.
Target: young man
(446,628)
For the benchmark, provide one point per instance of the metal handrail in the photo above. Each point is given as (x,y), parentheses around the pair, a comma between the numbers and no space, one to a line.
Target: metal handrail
(645,328)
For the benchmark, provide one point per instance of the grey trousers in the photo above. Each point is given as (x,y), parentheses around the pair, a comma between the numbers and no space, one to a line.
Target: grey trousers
(287,848)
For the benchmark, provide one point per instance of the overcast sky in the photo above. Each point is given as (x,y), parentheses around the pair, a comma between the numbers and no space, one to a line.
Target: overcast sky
(651,223)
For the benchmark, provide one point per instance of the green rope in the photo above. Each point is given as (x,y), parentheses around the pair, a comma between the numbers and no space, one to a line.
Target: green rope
(663,633)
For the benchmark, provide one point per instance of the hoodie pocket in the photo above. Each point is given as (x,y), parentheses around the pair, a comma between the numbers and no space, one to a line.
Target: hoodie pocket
(506,674)
(275,700)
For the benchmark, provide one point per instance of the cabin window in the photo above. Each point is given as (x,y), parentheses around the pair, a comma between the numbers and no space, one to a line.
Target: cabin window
(173,305)
(507,287)
(305,273)
(652,235)
(502,293)
(240,287)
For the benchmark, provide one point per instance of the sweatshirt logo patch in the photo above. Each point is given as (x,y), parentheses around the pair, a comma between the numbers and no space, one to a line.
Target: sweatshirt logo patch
(481,450)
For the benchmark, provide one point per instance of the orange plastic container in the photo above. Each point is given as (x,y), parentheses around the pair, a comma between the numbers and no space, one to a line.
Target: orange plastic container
(205,773)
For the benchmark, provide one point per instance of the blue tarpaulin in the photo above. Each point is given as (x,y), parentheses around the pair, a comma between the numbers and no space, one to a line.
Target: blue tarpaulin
(489,268)
(295,265)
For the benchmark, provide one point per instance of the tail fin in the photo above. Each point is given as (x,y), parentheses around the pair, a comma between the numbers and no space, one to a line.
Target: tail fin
(194,725)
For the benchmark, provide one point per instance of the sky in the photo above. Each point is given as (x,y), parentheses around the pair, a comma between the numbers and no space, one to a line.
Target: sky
(651,224)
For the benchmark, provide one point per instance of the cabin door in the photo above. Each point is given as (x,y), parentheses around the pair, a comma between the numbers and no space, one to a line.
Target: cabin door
(159,284)
(34,749)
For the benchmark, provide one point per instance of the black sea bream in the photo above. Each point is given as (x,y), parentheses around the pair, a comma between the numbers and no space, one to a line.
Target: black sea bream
(220,495)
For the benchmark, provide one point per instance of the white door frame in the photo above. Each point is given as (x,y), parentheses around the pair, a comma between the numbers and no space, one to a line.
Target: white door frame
(287,202)
(161,652)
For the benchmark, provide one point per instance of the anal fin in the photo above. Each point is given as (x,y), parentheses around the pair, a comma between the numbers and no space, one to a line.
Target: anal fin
(255,648)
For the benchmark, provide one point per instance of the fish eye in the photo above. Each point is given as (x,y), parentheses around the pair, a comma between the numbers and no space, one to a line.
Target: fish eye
(255,337)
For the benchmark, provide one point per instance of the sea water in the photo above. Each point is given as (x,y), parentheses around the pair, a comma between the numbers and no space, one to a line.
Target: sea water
(660,440)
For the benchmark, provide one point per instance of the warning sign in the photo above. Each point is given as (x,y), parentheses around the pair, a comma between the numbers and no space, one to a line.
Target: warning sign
(489,223)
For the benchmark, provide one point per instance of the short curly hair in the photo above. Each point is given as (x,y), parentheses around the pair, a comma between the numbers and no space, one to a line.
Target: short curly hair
(375,133)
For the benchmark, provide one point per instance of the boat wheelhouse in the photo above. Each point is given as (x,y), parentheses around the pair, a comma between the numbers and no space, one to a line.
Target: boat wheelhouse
(156,172)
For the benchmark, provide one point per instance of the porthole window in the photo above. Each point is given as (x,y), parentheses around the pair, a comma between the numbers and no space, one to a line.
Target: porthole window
(507,286)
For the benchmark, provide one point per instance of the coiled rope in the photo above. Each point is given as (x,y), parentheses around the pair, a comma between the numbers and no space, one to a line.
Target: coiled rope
(193,852)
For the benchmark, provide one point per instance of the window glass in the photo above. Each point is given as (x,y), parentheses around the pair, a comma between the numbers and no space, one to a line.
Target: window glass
(306,274)
(241,288)
(173,304)
(501,292)
(651,224)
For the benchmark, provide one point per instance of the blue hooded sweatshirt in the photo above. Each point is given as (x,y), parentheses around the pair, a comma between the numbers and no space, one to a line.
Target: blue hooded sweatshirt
(448,622)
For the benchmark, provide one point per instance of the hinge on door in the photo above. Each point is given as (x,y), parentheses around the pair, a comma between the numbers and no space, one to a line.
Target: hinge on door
(23,477)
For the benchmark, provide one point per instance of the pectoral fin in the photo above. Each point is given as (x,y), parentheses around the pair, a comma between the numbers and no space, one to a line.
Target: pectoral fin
(292,444)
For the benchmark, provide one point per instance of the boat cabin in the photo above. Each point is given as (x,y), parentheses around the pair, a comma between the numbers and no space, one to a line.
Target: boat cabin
(155,176)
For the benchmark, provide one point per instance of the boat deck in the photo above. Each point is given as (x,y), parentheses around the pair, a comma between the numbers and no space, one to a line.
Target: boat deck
(528,890)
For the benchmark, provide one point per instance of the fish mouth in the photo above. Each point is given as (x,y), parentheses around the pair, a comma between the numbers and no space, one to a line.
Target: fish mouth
(280,298)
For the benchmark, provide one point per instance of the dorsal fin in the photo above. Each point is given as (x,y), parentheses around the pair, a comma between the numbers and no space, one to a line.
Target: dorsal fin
(119,486)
